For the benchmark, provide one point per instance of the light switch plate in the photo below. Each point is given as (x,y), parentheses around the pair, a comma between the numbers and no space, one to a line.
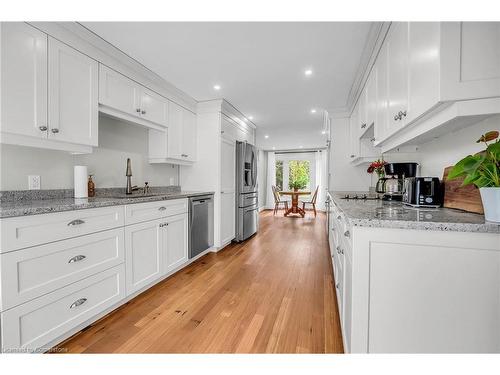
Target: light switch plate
(34,182)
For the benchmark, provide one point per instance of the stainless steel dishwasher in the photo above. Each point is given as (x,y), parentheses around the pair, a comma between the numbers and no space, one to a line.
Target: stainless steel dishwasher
(201,224)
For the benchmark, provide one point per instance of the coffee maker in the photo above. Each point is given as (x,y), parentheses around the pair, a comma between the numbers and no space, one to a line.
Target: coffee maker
(394,182)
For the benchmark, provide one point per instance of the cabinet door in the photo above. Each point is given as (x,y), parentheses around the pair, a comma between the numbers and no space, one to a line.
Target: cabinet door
(118,92)
(144,249)
(153,107)
(176,241)
(382,119)
(371,99)
(347,314)
(423,67)
(397,60)
(189,136)
(174,131)
(354,133)
(228,202)
(73,90)
(24,80)
(362,112)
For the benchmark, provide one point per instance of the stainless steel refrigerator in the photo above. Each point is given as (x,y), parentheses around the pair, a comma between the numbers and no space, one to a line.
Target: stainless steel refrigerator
(247,205)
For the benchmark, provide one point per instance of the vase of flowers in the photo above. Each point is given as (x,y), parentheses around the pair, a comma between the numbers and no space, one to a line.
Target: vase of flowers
(377,167)
(483,170)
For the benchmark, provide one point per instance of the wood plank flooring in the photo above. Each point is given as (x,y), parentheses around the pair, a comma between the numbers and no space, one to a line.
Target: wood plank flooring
(271,294)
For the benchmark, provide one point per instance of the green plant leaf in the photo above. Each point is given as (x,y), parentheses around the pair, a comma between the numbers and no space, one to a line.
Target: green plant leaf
(494,149)
(466,166)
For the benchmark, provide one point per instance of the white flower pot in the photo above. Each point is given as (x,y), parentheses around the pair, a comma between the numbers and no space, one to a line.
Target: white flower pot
(491,203)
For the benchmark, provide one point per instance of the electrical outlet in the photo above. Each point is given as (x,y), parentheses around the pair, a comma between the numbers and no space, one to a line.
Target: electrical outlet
(171,181)
(34,182)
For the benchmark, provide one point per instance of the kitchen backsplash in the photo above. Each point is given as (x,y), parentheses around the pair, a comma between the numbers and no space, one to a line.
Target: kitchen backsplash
(117,142)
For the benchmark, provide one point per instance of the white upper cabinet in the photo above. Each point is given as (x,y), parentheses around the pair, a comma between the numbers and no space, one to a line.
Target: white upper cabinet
(397,82)
(177,144)
(117,91)
(24,80)
(73,102)
(382,113)
(124,98)
(354,133)
(371,99)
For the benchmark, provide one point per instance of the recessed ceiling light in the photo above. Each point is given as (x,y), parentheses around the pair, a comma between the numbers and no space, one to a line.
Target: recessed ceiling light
(217,87)
(301,146)
(250,117)
(308,72)
(323,132)
(274,148)
(266,136)
(313,110)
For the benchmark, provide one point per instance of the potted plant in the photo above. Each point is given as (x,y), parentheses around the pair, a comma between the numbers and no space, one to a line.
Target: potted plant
(377,167)
(297,184)
(483,170)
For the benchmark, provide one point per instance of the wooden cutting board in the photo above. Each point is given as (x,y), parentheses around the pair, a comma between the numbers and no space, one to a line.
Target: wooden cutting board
(465,198)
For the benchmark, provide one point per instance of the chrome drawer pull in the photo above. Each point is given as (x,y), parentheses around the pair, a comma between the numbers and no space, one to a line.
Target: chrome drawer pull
(338,217)
(76,222)
(338,249)
(162,208)
(77,258)
(78,302)
(337,285)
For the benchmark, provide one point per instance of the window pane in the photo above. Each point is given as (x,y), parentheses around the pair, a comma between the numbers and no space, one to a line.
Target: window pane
(299,171)
(279,174)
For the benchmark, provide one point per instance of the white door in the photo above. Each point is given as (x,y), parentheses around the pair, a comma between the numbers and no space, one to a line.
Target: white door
(397,62)
(189,136)
(24,80)
(228,198)
(118,92)
(73,95)
(175,241)
(144,249)
(153,107)
(174,130)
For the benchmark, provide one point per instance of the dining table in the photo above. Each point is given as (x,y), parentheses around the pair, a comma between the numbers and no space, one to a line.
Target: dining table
(295,209)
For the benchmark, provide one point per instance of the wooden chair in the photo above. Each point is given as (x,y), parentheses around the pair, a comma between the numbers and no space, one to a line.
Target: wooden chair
(278,200)
(312,201)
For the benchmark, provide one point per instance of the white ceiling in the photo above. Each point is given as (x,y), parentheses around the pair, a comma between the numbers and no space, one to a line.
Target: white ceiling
(259,66)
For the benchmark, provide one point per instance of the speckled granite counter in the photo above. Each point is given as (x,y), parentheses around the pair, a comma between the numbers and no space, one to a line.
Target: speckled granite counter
(21,204)
(382,214)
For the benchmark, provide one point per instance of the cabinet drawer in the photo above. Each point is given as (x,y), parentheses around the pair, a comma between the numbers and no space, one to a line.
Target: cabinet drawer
(29,273)
(136,213)
(38,322)
(26,231)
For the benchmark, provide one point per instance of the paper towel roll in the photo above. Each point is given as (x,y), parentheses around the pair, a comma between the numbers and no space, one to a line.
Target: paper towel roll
(80,178)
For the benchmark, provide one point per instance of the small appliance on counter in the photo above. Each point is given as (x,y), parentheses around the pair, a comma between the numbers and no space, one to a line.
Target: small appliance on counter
(423,192)
(393,185)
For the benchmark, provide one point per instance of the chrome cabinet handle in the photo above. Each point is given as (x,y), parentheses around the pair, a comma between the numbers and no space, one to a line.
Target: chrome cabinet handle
(143,112)
(347,234)
(162,208)
(337,285)
(372,140)
(363,126)
(54,130)
(352,156)
(76,222)
(77,258)
(402,114)
(396,117)
(78,302)
(184,155)
(43,128)
(338,249)
(338,217)
(138,110)
(163,225)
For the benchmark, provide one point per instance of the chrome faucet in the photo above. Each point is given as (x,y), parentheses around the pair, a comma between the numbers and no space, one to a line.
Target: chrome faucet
(128,173)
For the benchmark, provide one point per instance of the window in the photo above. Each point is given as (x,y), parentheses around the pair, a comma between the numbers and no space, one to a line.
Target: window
(279,174)
(298,174)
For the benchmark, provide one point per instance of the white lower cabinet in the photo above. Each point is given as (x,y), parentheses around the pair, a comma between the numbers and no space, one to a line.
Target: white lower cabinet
(144,254)
(34,324)
(61,271)
(176,242)
(416,291)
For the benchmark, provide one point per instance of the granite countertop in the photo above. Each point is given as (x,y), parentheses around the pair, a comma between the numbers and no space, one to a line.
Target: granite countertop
(383,214)
(20,204)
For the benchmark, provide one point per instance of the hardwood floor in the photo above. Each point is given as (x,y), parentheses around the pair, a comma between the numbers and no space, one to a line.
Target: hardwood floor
(271,294)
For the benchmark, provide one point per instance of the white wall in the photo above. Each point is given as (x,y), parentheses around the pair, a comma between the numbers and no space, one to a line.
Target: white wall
(447,150)
(262,178)
(117,142)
